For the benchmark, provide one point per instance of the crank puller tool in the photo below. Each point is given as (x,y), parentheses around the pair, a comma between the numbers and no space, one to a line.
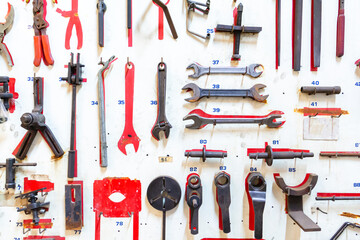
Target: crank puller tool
(198,93)
(223,198)
(343,227)
(327,90)
(101,93)
(294,200)
(164,9)
(315,34)
(269,155)
(297,33)
(255,186)
(35,122)
(10,167)
(161,123)
(337,196)
(164,194)
(201,7)
(340,29)
(237,29)
(74,20)
(278,33)
(250,70)
(74,79)
(34,207)
(129,135)
(194,200)
(41,39)
(201,119)
(101,6)
(4,29)
(205,153)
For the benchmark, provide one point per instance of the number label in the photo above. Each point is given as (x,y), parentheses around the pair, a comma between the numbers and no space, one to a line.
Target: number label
(292,169)
(222,168)
(19,224)
(314,104)
(357,84)
(216,110)
(357,145)
(253,169)
(119,224)
(77,231)
(121,102)
(153,102)
(193,169)
(216,86)
(210,30)
(203,141)
(276,142)
(94,103)
(215,62)
(30,79)
(315,82)
(357,184)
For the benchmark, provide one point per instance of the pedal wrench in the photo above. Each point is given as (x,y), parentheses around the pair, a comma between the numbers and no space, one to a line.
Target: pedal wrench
(129,135)
(223,198)
(194,200)
(161,124)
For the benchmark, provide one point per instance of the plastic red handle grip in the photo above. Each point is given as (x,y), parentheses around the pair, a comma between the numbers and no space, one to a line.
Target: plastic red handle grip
(340,34)
(37,51)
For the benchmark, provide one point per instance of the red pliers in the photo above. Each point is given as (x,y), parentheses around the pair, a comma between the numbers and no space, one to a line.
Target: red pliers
(41,40)
(4,28)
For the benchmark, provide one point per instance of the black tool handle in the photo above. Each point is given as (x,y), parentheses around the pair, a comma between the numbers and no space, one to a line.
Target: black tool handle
(72,152)
(101,12)
(10,173)
(194,220)
(52,142)
(340,231)
(22,149)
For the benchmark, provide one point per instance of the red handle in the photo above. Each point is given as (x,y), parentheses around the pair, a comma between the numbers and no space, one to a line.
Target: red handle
(37,51)
(340,34)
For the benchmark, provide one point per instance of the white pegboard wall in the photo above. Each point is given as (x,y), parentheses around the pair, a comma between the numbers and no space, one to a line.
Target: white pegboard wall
(335,175)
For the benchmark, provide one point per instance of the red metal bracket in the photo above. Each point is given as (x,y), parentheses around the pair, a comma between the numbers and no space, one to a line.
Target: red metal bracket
(103,205)
(313,112)
(32,185)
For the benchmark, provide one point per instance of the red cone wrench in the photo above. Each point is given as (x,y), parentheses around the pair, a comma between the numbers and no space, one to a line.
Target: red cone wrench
(129,135)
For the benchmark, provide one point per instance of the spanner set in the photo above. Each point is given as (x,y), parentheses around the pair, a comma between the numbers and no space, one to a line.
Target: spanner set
(195,193)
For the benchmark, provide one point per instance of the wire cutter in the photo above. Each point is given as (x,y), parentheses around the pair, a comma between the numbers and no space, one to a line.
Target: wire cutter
(4,29)
(41,40)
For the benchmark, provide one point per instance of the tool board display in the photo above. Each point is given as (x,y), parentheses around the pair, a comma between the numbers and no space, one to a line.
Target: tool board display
(179,119)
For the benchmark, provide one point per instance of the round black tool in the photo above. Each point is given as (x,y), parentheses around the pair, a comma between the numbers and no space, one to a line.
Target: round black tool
(164,194)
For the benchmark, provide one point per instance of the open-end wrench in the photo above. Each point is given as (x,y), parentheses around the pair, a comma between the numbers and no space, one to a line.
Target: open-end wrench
(223,198)
(129,135)
(199,93)
(201,119)
(161,124)
(201,70)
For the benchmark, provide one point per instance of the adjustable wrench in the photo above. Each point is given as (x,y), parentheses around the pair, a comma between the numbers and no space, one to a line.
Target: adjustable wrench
(200,92)
(201,119)
(194,200)
(129,135)
(161,124)
(201,70)
(223,198)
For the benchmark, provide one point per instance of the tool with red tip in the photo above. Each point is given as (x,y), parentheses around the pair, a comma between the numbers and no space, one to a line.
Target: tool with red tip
(129,135)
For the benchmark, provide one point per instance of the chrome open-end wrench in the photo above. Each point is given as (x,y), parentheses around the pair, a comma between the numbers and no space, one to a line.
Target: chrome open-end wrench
(250,70)
(161,124)
(101,93)
(201,119)
(199,93)
(129,135)
(223,198)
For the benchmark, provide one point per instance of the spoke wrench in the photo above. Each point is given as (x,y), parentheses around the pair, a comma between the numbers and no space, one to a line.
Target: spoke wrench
(129,135)
(194,200)
(223,198)
(199,93)
(164,9)
(201,119)
(201,70)
(161,124)
(164,194)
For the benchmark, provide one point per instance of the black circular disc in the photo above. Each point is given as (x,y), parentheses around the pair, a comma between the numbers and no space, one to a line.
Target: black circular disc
(164,193)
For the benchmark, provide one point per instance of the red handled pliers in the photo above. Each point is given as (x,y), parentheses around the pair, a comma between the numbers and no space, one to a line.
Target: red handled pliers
(41,40)
(5,28)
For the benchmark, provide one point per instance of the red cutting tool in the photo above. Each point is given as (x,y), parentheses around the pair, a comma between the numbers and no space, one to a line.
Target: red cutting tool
(73,21)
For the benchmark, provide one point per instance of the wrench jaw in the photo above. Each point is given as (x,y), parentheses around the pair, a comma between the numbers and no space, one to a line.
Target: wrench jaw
(196,68)
(196,92)
(158,127)
(197,124)
(128,139)
(251,70)
(272,123)
(255,93)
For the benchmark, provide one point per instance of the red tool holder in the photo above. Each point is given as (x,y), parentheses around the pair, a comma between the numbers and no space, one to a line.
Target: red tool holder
(32,185)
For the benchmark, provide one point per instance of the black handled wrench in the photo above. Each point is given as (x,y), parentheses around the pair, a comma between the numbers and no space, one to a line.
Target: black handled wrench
(101,6)
(194,200)
(199,93)
(223,198)
(161,124)
(201,70)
